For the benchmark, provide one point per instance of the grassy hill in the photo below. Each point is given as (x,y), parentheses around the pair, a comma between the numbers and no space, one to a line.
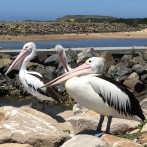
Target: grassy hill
(101,19)
(84,18)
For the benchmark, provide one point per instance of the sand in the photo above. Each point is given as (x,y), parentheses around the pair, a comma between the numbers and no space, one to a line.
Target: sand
(136,34)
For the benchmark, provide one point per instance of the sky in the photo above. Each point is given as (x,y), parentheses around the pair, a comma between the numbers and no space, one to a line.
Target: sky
(17,10)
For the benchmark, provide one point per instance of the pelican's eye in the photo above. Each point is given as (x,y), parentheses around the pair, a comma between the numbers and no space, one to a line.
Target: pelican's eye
(26,47)
(90,61)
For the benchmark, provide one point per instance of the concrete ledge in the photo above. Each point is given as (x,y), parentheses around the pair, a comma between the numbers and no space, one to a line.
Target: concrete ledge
(114,50)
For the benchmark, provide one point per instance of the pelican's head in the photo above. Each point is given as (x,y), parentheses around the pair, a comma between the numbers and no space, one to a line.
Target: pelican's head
(94,65)
(28,49)
(61,52)
(97,65)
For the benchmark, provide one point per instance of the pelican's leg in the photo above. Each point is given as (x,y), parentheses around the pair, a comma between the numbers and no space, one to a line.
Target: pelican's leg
(99,127)
(77,108)
(108,125)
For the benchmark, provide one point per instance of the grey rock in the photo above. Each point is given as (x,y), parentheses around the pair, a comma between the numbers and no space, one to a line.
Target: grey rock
(41,57)
(139,69)
(52,61)
(126,58)
(47,71)
(145,55)
(85,141)
(144,78)
(118,72)
(127,63)
(72,57)
(85,54)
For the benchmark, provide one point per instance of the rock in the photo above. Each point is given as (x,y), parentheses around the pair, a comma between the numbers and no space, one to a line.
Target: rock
(144,78)
(72,58)
(142,139)
(47,71)
(119,73)
(134,83)
(139,69)
(114,141)
(85,54)
(4,62)
(144,129)
(52,61)
(127,61)
(15,145)
(134,131)
(41,57)
(143,103)
(145,55)
(87,123)
(139,59)
(108,57)
(85,141)
(126,58)
(29,126)
(5,56)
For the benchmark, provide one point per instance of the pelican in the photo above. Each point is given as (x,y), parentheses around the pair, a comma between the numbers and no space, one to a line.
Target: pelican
(31,80)
(90,88)
(62,55)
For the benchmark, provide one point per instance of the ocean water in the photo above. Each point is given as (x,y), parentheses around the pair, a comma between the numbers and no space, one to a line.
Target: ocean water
(100,42)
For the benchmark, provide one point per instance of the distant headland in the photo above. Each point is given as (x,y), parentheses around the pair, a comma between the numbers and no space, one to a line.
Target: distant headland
(74,26)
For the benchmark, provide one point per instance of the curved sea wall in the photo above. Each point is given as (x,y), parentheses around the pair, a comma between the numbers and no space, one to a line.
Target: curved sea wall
(42,28)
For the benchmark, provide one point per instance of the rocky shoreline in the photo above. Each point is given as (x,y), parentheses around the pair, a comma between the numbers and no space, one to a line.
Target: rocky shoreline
(59,125)
(47,28)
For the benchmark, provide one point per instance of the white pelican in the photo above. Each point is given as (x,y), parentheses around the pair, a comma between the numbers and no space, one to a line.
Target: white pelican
(61,52)
(31,80)
(100,93)
(62,55)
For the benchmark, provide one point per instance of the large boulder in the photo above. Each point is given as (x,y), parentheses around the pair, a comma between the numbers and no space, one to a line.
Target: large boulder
(87,122)
(28,126)
(85,141)
(114,141)
(15,145)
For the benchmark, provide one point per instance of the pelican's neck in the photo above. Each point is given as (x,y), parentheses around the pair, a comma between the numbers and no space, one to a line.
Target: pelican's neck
(67,67)
(26,61)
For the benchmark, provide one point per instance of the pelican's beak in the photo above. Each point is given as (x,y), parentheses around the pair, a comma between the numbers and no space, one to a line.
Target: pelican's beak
(60,51)
(18,59)
(80,70)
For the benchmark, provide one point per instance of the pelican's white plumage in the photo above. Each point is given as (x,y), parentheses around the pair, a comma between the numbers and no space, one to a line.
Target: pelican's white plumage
(91,89)
(31,80)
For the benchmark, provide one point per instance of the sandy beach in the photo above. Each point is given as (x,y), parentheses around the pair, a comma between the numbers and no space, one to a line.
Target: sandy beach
(136,34)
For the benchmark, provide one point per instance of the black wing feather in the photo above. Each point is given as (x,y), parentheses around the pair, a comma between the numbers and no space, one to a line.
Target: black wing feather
(133,108)
(50,91)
